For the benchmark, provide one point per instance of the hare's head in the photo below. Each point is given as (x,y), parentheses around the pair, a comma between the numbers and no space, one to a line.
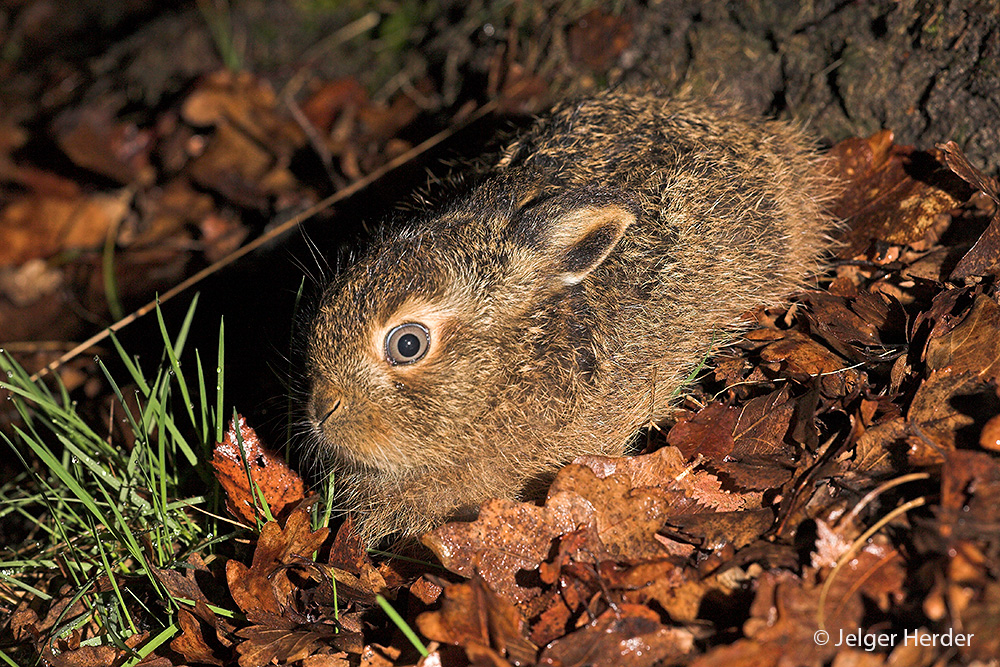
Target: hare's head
(469,322)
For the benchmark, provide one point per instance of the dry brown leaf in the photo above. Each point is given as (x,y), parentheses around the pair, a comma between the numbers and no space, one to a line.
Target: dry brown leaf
(40,226)
(245,101)
(717,529)
(194,644)
(781,629)
(879,449)
(626,519)
(973,345)
(235,165)
(282,643)
(894,193)
(339,659)
(760,459)
(678,589)
(288,623)
(94,139)
(425,590)
(629,636)
(944,412)
(708,432)
(246,158)
(667,469)
(983,258)
(942,317)
(473,616)
(867,319)
(86,656)
(960,165)
(970,486)
(507,538)
(264,587)
(281,486)
(164,215)
(375,655)
(803,358)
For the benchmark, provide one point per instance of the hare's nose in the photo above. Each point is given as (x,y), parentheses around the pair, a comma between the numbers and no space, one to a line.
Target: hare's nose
(325,404)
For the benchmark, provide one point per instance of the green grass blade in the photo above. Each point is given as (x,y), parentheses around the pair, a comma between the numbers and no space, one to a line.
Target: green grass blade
(182,335)
(402,625)
(112,579)
(202,399)
(175,363)
(121,400)
(220,420)
(131,366)
(155,642)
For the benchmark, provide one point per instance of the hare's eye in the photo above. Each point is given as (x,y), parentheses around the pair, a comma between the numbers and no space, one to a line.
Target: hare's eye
(407,343)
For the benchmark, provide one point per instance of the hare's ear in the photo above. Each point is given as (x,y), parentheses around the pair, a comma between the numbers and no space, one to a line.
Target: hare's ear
(580,239)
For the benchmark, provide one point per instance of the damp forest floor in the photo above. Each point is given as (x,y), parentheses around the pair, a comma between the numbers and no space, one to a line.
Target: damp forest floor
(825,493)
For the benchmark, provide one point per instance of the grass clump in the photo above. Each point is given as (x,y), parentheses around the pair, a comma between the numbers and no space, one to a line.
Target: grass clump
(105,516)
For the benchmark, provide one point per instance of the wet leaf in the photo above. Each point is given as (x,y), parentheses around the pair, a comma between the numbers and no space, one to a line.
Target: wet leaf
(708,432)
(264,587)
(281,486)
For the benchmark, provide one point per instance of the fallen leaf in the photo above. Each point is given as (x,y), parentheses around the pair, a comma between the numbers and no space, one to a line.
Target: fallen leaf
(708,432)
(507,538)
(893,193)
(473,616)
(264,587)
(626,518)
(93,138)
(970,485)
(960,165)
(761,460)
(802,358)
(666,468)
(782,626)
(242,463)
(194,644)
(973,346)
(629,636)
(40,226)
(246,158)
(945,411)
(678,589)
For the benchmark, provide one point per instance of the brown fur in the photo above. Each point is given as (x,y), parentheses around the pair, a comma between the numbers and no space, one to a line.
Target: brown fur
(567,298)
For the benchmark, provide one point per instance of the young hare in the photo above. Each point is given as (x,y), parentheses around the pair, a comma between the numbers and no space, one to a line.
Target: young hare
(555,308)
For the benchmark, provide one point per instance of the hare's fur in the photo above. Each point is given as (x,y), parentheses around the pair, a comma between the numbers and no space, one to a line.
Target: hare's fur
(567,296)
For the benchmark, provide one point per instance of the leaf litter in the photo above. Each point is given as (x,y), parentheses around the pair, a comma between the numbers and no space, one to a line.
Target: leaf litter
(835,471)
(731,541)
